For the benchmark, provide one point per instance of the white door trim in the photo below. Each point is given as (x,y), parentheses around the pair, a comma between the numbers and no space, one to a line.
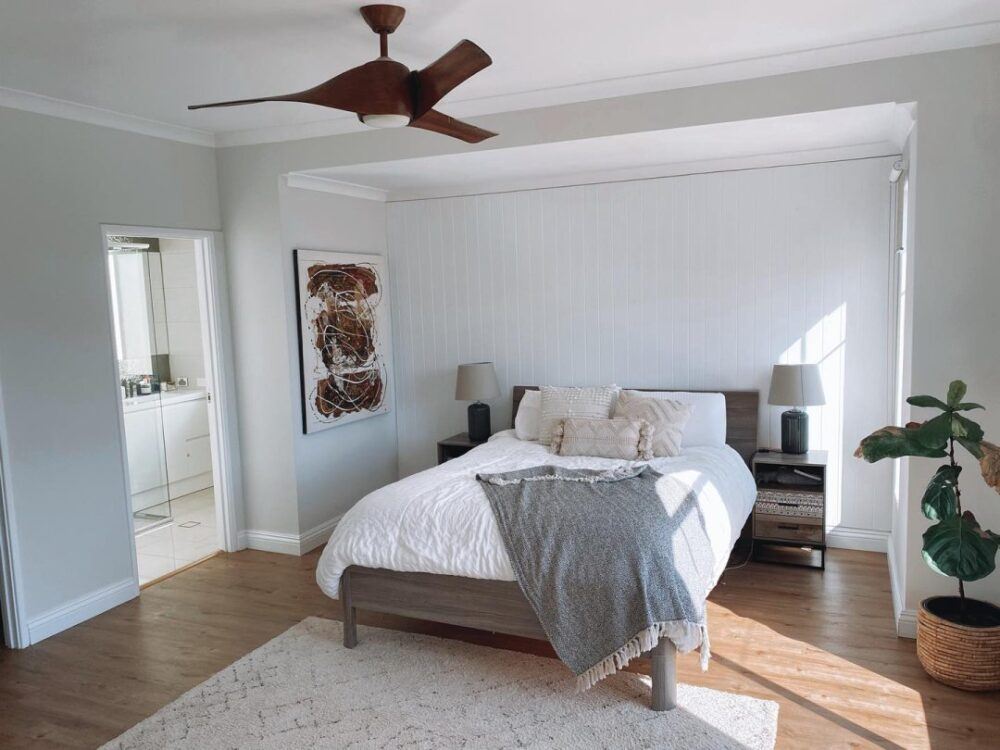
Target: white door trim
(15,630)
(222,402)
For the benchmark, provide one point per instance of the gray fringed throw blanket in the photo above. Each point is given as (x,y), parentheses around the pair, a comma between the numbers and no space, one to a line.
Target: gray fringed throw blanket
(606,568)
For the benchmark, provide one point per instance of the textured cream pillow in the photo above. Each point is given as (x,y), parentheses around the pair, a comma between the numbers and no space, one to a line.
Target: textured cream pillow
(630,439)
(665,416)
(560,403)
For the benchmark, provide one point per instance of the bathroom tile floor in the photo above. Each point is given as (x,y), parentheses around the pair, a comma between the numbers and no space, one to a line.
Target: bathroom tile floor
(191,536)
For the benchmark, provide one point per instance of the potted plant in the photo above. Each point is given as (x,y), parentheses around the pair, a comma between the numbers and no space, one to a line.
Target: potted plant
(958,638)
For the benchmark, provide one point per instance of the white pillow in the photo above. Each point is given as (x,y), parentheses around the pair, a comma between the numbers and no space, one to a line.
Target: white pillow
(560,403)
(707,424)
(528,413)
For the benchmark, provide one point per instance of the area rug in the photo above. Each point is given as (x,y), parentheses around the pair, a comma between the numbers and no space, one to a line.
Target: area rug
(305,690)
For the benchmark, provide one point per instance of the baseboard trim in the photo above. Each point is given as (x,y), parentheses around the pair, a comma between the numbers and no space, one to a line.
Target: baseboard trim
(289,544)
(866,540)
(82,608)
(905,619)
(318,535)
(906,624)
(270,541)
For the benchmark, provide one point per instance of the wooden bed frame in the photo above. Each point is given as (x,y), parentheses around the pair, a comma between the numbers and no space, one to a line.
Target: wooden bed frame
(500,606)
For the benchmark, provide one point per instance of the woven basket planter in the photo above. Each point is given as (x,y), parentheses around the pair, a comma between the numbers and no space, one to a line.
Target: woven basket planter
(964,657)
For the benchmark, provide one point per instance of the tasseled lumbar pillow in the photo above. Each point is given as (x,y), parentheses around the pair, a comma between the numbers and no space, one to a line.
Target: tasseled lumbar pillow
(630,439)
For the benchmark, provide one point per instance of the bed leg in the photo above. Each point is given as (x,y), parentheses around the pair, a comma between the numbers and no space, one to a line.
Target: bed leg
(664,673)
(350,613)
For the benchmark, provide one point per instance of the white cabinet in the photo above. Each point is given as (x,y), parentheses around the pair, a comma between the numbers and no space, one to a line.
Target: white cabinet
(147,461)
(185,429)
(168,445)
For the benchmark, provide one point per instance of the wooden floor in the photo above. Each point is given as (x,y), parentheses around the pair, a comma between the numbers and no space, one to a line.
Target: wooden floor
(820,643)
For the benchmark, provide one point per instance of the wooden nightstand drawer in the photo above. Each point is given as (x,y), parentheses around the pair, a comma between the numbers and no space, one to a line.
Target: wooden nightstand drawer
(787,528)
(790,503)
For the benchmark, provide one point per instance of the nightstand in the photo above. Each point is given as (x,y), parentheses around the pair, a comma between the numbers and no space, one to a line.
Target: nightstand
(790,510)
(455,446)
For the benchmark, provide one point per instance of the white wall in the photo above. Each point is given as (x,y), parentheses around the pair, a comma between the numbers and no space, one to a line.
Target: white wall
(59,180)
(182,315)
(699,282)
(293,483)
(337,467)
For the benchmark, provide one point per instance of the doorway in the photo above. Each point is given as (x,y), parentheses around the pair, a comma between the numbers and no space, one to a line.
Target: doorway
(168,365)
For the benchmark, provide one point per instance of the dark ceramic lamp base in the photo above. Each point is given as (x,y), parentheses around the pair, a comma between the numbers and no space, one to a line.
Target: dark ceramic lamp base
(479,422)
(794,431)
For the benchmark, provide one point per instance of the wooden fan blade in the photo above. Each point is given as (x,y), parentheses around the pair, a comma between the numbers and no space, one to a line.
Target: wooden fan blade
(239,102)
(447,125)
(456,65)
(379,87)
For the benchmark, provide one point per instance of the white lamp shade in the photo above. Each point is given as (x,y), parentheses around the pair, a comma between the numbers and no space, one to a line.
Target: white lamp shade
(796,385)
(476,381)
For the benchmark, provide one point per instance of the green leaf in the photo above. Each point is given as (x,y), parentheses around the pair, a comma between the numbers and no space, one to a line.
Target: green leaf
(959,548)
(895,442)
(928,401)
(963,427)
(939,501)
(934,433)
(956,392)
(972,446)
(968,406)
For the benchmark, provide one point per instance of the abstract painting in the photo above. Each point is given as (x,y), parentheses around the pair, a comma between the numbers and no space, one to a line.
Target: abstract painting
(343,337)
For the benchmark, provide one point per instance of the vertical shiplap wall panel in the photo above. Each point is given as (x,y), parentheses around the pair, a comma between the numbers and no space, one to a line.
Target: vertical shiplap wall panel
(701,281)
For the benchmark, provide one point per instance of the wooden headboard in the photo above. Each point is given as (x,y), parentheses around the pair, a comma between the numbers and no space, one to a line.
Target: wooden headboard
(741,415)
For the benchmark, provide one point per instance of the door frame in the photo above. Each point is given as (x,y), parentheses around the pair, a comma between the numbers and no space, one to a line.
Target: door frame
(216,342)
(15,624)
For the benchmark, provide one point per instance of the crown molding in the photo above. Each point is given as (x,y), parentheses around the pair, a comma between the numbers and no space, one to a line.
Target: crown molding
(653,172)
(304,181)
(66,110)
(901,45)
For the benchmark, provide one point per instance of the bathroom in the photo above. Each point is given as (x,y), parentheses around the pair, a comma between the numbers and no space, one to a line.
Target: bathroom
(161,357)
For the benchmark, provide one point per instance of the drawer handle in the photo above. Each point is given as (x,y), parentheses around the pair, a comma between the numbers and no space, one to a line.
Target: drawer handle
(789,526)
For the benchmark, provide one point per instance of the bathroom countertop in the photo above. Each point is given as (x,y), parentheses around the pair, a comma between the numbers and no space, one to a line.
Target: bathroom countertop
(164,398)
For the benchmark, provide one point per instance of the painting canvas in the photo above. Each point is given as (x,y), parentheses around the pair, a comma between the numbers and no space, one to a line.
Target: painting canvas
(343,337)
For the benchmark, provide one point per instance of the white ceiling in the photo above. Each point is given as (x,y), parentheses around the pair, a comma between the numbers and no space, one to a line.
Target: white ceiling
(150,59)
(852,132)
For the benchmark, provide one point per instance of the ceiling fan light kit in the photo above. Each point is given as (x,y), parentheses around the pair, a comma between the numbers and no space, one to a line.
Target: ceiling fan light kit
(385,121)
(385,93)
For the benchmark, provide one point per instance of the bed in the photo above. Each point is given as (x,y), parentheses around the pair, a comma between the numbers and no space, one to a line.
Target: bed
(428,546)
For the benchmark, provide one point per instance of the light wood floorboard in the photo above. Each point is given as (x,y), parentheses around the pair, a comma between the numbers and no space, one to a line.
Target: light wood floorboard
(821,644)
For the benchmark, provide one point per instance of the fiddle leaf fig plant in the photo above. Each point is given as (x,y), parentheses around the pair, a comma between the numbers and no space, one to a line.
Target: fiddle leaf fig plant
(955,545)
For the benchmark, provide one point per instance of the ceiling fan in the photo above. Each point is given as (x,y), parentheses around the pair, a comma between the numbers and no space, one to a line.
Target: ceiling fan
(386,94)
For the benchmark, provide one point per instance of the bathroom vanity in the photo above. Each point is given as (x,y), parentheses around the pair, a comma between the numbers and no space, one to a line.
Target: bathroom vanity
(169,451)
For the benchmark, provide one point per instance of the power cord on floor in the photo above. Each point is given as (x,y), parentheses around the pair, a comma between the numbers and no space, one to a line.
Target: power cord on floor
(743,564)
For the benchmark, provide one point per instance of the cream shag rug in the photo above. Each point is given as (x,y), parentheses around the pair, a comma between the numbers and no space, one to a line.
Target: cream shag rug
(305,690)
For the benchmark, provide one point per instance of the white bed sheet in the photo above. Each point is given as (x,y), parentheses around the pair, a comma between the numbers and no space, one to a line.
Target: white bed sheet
(439,520)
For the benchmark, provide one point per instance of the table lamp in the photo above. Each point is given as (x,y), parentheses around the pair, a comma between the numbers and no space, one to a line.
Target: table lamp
(477,382)
(795,386)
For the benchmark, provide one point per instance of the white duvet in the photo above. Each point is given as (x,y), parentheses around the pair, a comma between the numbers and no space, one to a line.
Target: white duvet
(439,521)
